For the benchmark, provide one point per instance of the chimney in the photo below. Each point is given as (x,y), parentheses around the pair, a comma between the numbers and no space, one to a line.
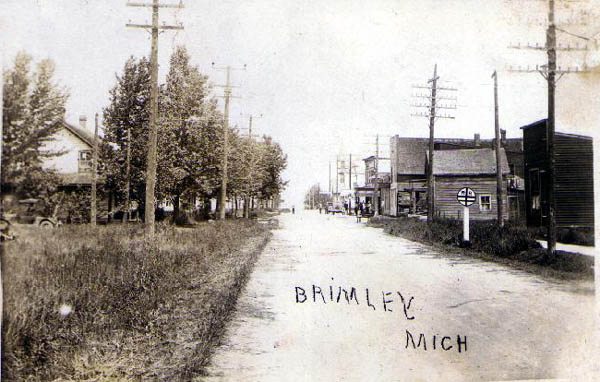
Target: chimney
(477,140)
(502,136)
(82,122)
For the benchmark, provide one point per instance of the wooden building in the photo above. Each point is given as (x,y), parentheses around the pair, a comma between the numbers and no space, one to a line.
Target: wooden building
(473,168)
(375,191)
(75,146)
(574,177)
(408,186)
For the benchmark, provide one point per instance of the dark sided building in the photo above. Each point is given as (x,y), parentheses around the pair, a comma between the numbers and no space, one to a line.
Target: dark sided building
(574,177)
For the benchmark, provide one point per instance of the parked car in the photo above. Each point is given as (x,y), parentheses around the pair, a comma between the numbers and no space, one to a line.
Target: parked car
(5,230)
(29,211)
(332,209)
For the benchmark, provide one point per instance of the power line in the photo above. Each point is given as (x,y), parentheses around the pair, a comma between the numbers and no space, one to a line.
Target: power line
(550,72)
(432,115)
(227,96)
(151,163)
(251,118)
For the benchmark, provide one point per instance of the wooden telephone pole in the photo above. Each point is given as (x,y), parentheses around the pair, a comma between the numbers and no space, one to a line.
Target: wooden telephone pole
(549,72)
(93,209)
(499,185)
(337,174)
(250,163)
(432,115)
(350,173)
(151,165)
(224,161)
(330,176)
(127,211)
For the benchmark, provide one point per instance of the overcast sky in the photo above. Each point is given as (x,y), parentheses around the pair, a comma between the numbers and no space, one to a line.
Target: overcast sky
(324,74)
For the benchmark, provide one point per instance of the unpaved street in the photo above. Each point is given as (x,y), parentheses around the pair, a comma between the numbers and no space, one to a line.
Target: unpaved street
(517,326)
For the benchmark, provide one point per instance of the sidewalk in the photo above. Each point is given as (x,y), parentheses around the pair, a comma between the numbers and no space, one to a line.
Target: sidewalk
(580,249)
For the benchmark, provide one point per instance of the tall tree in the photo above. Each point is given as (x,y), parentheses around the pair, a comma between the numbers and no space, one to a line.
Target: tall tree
(128,111)
(188,142)
(34,109)
(274,161)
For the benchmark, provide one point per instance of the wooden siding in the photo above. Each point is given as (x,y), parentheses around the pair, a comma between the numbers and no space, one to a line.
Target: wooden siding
(447,206)
(573,187)
(67,143)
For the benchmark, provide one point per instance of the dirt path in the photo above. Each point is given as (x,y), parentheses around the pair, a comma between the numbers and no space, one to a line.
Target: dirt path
(517,326)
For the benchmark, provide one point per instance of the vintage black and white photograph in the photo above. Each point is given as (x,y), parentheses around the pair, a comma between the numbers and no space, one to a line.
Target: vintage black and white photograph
(260,190)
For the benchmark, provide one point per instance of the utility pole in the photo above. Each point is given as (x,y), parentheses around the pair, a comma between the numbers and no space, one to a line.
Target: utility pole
(151,165)
(350,184)
(499,185)
(93,212)
(251,118)
(223,196)
(330,176)
(376,155)
(432,106)
(251,164)
(127,211)
(430,180)
(227,96)
(551,45)
(549,73)
(350,173)
(376,188)
(337,174)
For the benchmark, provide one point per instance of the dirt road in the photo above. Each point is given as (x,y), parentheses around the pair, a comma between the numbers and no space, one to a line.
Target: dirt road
(305,314)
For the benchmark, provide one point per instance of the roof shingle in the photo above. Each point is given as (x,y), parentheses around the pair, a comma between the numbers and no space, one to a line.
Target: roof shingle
(468,162)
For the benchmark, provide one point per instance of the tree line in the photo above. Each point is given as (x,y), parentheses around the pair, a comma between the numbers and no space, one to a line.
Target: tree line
(190,139)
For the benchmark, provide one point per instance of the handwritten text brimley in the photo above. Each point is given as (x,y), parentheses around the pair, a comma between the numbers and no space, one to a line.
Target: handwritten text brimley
(385,301)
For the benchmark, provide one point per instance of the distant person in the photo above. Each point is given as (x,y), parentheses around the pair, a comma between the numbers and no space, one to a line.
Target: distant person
(346,207)
(320,208)
(293,210)
(356,209)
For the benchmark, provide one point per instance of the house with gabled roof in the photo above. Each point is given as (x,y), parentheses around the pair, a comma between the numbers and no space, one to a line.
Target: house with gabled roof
(74,147)
(408,186)
(473,168)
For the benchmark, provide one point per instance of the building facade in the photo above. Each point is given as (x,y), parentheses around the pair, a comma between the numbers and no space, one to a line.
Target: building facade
(408,186)
(573,182)
(473,168)
(74,146)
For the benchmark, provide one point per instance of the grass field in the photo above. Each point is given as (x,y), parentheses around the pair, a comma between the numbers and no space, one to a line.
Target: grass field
(104,303)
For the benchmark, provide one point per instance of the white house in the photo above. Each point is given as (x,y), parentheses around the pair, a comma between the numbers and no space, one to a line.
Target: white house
(75,146)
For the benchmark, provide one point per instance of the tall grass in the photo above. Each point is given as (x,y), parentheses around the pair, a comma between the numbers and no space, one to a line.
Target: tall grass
(116,283)
(513,242)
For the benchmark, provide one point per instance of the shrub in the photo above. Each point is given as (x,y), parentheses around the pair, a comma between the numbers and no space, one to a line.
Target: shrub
(575,235)
(485,236)
(561,261)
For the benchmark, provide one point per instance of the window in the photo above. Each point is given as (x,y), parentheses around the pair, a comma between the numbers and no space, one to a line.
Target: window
(85,161)
(485,202)
(85,155)
(534,188)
